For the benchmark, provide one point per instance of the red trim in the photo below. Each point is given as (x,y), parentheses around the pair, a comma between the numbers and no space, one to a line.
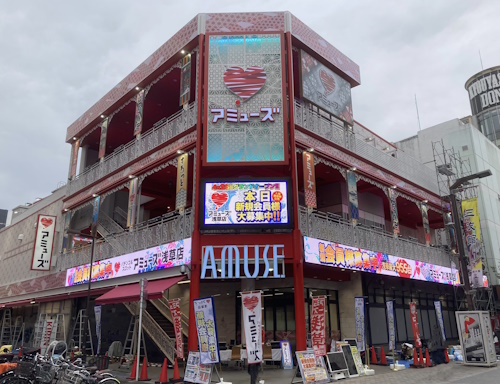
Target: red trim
(13,304)
(34,244)
(72,295)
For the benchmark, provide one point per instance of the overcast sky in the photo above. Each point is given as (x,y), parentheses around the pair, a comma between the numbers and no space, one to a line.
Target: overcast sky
(60,57)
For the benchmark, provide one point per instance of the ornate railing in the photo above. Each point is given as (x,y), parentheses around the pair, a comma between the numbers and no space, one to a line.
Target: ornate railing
(401,164)
(159,230)
(161,132)
(330,227)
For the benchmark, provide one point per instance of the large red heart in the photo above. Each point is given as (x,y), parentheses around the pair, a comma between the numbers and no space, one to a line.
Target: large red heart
(117,266)
(245,83)
(219,199)
(46,222)
(328,81)
(250,302)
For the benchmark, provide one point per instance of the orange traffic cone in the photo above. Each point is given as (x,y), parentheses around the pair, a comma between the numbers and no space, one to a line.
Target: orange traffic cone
(383,360)
(421,358)
(177,377)
(134,369)
(427,358)
(415,358)
(373,359)
(163,374)
(446,357)
(144,370)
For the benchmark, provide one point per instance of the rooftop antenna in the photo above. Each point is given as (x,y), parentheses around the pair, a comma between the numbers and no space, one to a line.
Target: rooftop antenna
(418,116)
(481,60)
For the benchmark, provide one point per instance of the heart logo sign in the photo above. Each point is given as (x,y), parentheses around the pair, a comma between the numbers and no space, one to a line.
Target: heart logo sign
(219,199)
(250,302)
(245,83)
(328,81)
(117,267)
(46,222)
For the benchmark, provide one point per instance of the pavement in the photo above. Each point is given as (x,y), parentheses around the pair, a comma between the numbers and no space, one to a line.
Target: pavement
(454,372)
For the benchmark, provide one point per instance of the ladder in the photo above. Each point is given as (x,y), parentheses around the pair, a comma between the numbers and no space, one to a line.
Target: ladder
(36,336)
(6,331)
(77,335)
(130,345)
(18,329)
(19,339)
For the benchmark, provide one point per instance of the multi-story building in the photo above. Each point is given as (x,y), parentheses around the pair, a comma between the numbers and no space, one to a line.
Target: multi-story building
(3,218)
(237,137)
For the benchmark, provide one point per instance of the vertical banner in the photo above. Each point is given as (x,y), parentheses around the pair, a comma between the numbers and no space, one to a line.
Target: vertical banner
(66,238)
(318,325)
(48,334)
(98,317)
(352,188)
(439,315)
(391,325)
(44,242)
(309,179)
(102,141)
(132,202)
(286,355)
(182,181)
(139,105)
(74,161)
(359,318)
(414,324)
(394,211)
(473,240)
(252,322)
(95,214)
(175,310)
(185,80)
(425,223)
(206,328)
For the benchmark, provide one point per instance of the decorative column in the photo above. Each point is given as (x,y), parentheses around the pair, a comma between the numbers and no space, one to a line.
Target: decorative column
(394,211)
(352,190)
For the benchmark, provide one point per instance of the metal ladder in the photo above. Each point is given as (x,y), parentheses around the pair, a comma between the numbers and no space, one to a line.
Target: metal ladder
(36,336)
(130,345)
(18,332)
(77,335)
(6,331)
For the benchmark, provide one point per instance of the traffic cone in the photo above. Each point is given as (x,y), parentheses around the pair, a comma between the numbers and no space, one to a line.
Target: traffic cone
(415,358)
(144,370)
(427,358)
(446,357)
(177,377)
(383,360)
(134,369)
(373,359)
(163,374)
(421,359)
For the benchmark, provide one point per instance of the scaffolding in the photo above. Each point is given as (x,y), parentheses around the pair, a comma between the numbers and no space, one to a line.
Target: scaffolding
(449,167)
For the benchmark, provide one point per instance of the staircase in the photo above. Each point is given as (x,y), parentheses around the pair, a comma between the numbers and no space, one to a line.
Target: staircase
(107,228)
(162,306)
(120,216)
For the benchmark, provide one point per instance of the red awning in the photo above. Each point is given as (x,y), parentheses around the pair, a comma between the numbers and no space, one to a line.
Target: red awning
(132,292)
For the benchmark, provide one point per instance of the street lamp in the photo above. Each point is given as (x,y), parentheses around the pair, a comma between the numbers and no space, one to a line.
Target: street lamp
(458,230)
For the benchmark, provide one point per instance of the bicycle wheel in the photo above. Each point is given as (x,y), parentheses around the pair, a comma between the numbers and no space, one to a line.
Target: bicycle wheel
(109,380)
(15,380)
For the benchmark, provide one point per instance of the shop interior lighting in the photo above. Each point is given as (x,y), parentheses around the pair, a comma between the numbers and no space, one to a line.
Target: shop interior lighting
(279,294)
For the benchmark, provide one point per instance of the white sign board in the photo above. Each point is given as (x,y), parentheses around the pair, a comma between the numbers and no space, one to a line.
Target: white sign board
(44,241)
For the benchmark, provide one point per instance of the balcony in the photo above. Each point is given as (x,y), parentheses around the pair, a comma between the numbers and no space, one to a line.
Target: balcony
(163,131)
(333,228)
(402,164)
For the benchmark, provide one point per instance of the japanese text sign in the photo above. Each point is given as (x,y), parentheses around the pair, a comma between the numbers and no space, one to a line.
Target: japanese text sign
(318,325)
(359,318)
(44,241)
(252,321)
(391,324)
(206,328)
(182,181)
(175,310)
(309,179)
(414,324)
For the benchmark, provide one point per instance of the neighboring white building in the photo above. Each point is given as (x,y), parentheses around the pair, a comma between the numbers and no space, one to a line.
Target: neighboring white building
(466,140)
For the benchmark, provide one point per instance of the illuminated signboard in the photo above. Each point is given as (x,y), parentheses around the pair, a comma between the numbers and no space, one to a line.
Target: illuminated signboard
(323,252)
(261,203)
(164,256)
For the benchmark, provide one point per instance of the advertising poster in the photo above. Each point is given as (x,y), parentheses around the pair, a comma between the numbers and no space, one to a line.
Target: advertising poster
(414,324)
(391,325)
(49,333)
(206,328)
(309,179)
(323,252)
(313,370)
(44,241)
(251,304)
(325,88)
(359,318)
(196,372)
(353,197)
(139,105)
(394,211)
(357,360)
(98,317)
(182,182)
(318,325)
(439,316)
(488,336)
(164,256)
(102,140)
(425,222)
(185,80)
(132,201)
(175,310)
(74,161)
(472,232)
(471,337)
(286,355)
(244,100)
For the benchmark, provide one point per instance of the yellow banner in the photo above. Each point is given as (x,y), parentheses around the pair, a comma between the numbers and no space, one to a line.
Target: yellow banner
(472,232)
(182,181)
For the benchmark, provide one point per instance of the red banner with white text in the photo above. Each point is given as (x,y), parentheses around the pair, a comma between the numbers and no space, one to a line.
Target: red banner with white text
(175,310)
(414,325)
(318,325)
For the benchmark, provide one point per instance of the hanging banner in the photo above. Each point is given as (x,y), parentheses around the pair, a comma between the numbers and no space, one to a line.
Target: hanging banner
(359,318)
(394,211)
(102,141)
(425,223)
(132,202)
(318,325)
(181,187)
(312,369)
(439,315)
(353,197)
(98,317)
(66,237)
(139,105)
(74,162)
(185,80)
(414,325)
(175,310)
(251,304)
(286,355)
(206,327)
(309,179)
(196,372)
(44,243)
(472,230)
(391,324)
(95,214)
(49,333)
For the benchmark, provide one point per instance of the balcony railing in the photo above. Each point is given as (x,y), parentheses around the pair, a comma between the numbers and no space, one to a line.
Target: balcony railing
(402,165)
(330,227)
(161,132)
(160,230)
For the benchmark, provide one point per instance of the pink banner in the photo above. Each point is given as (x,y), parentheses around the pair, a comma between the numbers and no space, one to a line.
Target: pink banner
(318,325)
(414,324)
(175,310)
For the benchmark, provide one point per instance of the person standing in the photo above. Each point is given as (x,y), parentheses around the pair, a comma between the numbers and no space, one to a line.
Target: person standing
(253,371)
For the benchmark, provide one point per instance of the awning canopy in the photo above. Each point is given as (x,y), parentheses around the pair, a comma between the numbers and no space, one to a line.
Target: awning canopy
(132,292)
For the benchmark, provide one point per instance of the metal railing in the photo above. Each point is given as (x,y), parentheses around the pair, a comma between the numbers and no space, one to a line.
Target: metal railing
(330,227)
(400,164)
(162,306)
(161,132)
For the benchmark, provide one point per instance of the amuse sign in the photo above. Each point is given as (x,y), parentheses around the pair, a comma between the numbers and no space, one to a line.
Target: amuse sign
(243,261)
